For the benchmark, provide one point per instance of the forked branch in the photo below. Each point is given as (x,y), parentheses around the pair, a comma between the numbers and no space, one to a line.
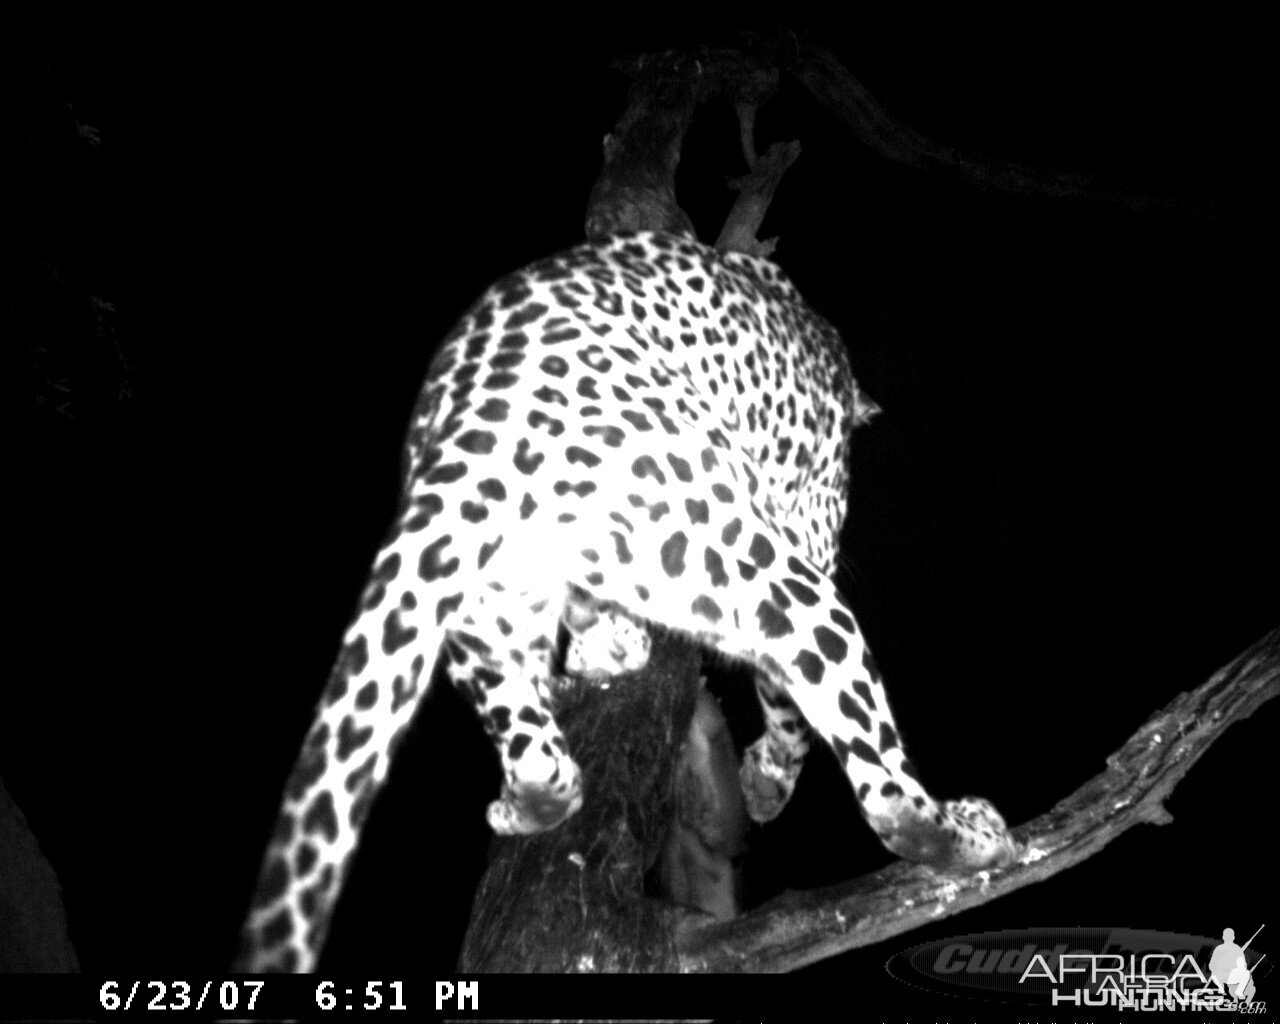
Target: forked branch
(636,186)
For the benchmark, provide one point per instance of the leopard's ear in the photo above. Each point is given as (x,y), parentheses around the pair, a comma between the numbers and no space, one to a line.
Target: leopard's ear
(863,407)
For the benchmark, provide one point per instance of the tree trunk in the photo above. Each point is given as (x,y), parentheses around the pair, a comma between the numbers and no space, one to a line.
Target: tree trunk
(573,899)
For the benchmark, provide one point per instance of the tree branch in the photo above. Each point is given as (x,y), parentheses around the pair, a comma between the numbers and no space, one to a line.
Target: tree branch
(755,193)
(832,84)
(801,928)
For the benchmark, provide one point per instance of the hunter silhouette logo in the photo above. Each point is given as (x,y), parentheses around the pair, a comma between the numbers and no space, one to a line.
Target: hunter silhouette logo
(1120,968)
(1228,968)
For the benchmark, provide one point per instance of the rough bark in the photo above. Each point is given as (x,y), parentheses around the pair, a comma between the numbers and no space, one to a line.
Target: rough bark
(573,899)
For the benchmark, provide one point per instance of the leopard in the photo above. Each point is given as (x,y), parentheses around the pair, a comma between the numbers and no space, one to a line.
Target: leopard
(639,433)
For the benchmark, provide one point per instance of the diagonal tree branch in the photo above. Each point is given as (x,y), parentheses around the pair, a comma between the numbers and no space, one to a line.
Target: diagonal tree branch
(801,928)
(835,87)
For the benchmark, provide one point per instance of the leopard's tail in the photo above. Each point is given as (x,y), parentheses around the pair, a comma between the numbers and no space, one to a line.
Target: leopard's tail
(381,673)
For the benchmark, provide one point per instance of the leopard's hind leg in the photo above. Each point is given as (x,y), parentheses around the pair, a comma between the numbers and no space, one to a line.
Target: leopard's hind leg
(724,574)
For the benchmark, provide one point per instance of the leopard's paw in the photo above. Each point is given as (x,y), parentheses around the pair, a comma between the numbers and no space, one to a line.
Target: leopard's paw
(960,835)
(984,840)
(538,800)
(766,784)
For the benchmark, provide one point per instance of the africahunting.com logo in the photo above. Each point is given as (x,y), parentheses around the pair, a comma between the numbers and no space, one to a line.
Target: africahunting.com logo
(1120,968)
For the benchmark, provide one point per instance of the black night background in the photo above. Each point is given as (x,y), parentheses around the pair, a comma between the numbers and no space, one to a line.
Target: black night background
(1063,518)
